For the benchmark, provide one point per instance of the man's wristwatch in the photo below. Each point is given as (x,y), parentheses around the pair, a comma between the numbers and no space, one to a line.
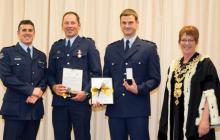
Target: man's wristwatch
(88,95)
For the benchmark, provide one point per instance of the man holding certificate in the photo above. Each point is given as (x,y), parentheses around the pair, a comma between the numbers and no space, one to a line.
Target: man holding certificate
(133,65)
(72,63)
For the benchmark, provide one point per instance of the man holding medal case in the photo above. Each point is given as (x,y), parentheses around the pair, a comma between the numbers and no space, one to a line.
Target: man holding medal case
(133,65)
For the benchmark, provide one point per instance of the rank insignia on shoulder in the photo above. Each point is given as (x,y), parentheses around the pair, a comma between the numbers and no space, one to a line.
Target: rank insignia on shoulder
(1,55)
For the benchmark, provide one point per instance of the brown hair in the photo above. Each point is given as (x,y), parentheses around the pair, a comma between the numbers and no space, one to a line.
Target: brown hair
(129,12)
(26,21)
(73,13)
(189,30)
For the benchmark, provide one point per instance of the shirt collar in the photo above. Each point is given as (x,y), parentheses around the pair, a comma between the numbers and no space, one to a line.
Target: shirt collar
(131,40)
(71,40)
(24,47)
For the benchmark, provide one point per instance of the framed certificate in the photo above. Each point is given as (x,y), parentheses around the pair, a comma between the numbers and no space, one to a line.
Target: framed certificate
(102,91)
(72,79)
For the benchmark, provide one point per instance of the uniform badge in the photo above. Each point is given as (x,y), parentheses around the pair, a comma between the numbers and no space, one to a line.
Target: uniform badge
(58,52)
(79,53)
(1,55)
(17,58)
(40,62)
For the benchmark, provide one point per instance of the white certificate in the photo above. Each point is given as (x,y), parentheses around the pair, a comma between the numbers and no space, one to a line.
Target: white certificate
(72,78)
(129,73)
(102,91)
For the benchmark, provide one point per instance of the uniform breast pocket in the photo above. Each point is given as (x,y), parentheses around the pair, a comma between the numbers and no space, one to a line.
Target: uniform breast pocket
(139,67)
(18,67)
(115,67)
(59,60)
(41,66)
(80,59)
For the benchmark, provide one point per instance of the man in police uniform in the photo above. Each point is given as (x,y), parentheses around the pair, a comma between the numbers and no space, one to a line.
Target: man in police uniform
(73,52)
(131,56)
(23,69)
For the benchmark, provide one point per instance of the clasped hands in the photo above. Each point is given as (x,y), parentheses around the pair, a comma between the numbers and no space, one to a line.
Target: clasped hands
(36,94)
(60,90)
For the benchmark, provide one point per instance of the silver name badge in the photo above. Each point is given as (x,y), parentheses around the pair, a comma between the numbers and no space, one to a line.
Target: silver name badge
(17,58)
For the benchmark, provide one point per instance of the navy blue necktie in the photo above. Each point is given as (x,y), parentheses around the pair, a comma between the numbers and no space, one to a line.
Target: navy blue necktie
(68,44)
(29,51)
(127,46)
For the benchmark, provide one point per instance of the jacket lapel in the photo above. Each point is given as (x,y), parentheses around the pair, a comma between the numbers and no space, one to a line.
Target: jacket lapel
(21,51)
(35,54)
(75,44)
(120,48)
(133,49)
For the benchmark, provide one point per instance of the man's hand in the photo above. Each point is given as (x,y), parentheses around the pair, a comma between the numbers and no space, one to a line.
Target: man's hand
(37,92)
(132,88)
(80,96)
(97,105)
(59,89)
(32,99)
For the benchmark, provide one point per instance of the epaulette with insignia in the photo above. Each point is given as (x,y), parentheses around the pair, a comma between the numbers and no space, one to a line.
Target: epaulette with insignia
(58,41)
(148,41)
(8,47)
(89,39)
(114,43)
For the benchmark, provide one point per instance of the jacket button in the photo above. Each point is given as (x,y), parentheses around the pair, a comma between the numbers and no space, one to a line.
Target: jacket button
(68,55)
(126,63)
(32,84)
(123,94)
(68,63)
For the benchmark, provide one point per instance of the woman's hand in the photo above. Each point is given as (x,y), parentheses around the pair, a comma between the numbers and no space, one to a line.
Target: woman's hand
(204,127)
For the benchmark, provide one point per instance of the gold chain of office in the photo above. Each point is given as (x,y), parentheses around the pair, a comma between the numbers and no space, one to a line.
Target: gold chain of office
(179,74)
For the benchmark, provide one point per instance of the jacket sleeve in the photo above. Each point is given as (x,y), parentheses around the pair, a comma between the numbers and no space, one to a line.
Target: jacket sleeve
(51,72)
(163,124)
(43,82)
(106,68)
(94,64)
(210,93)
(10,80)
(211,81)
(153,73)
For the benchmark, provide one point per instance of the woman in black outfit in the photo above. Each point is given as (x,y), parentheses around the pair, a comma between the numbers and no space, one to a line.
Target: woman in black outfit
(192,96)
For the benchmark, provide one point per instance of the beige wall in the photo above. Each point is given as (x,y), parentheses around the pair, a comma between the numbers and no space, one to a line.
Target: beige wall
(160,21)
